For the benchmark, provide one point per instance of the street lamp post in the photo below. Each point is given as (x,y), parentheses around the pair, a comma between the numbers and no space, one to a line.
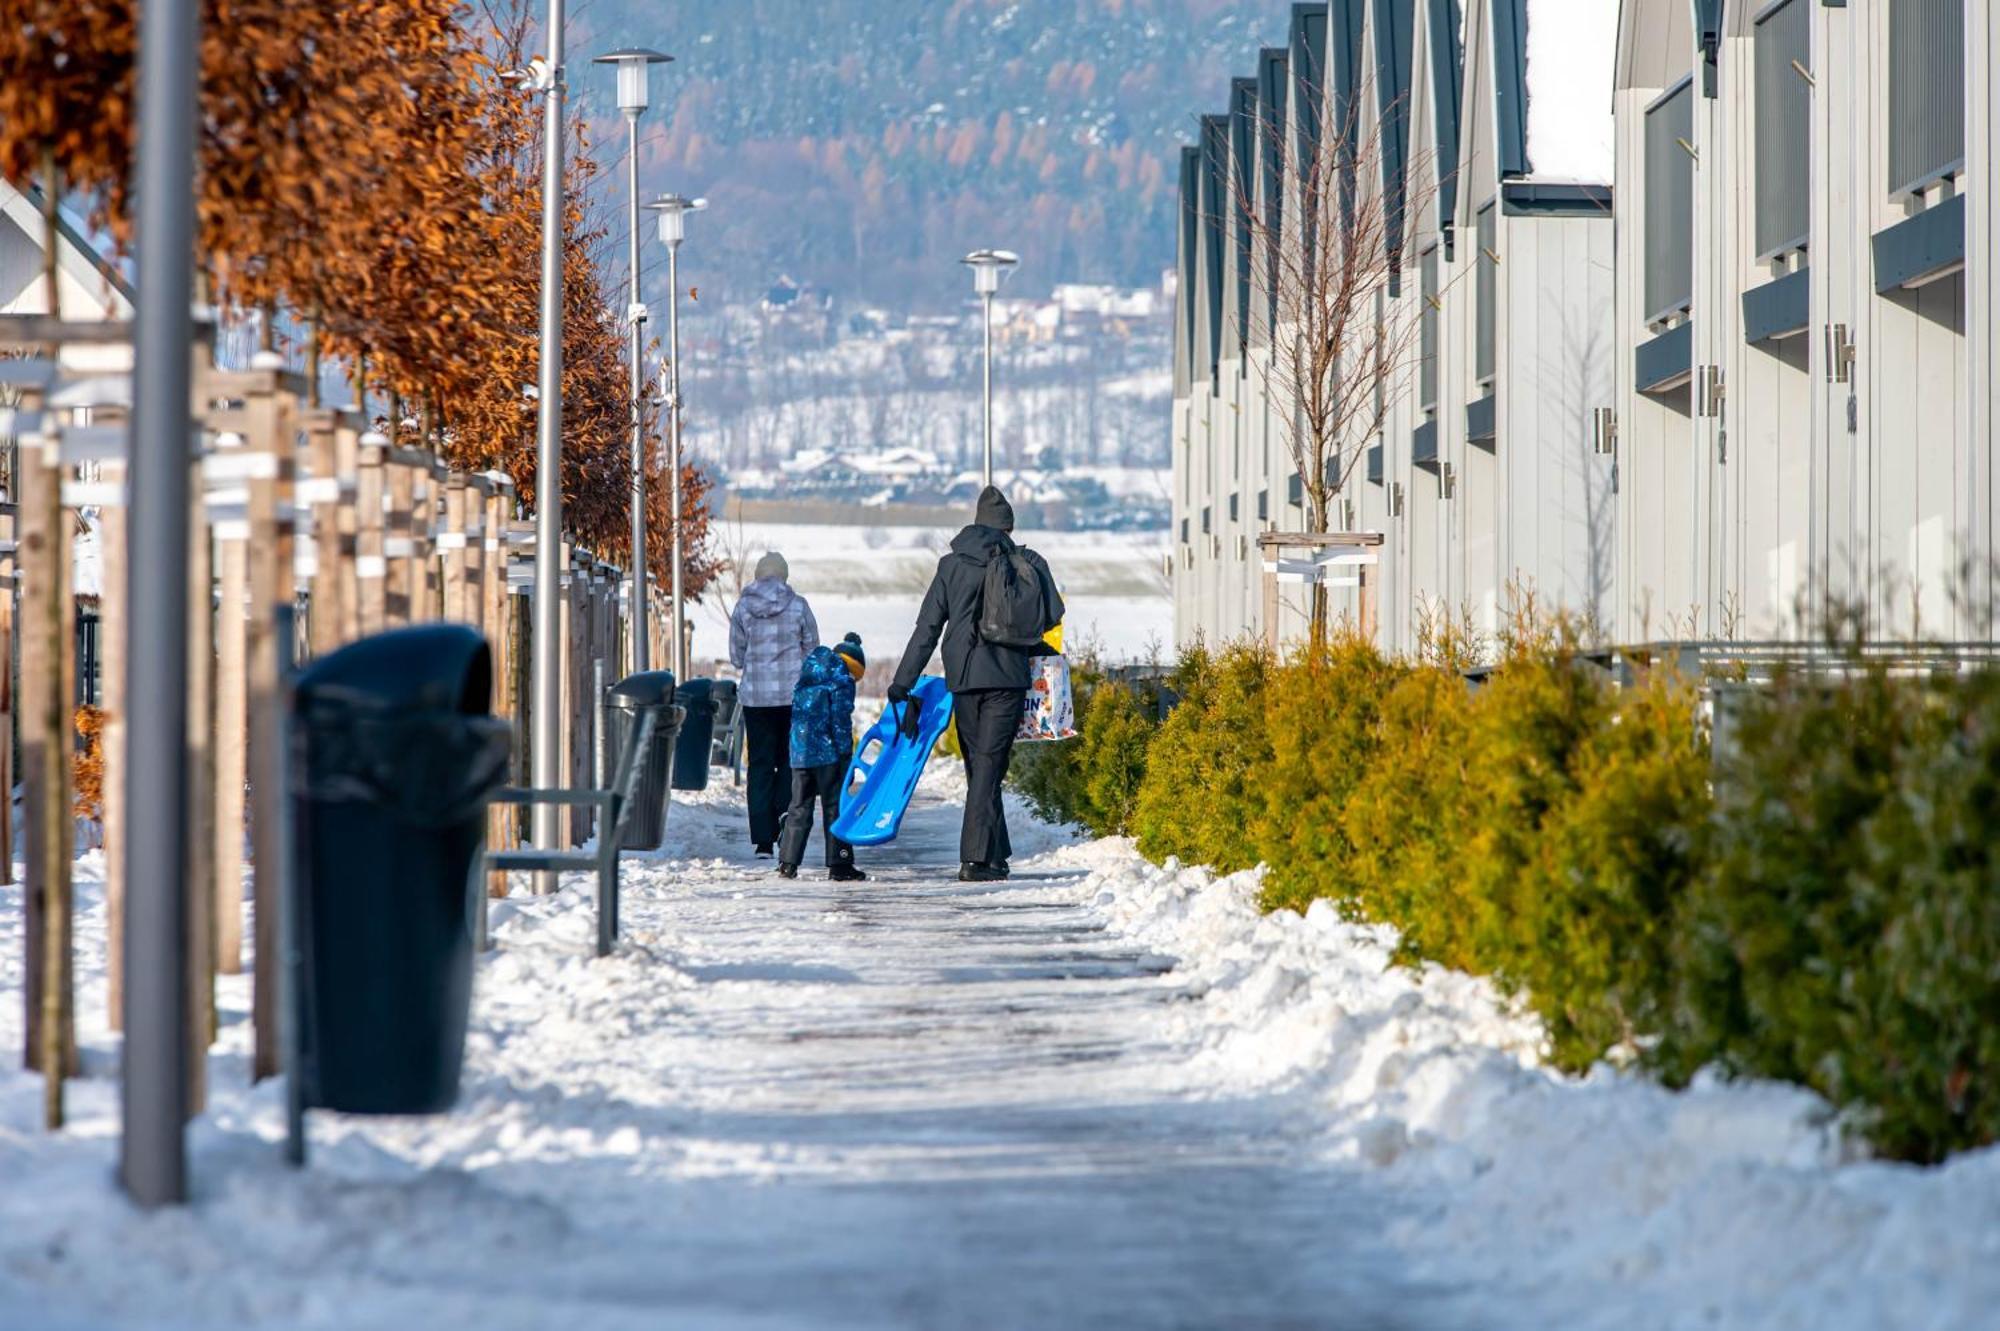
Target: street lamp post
(989,269)
(634,65)
(152,1163)
(547,682)
(673,210)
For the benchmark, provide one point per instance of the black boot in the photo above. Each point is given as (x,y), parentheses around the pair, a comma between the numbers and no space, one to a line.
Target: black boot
(763,850)
(846,873)
(981,873)
(788,870)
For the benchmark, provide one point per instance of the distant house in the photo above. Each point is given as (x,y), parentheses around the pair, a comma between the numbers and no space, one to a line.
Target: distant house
(89,286)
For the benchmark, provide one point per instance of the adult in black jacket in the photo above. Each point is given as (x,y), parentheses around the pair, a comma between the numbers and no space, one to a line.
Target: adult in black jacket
(988,681)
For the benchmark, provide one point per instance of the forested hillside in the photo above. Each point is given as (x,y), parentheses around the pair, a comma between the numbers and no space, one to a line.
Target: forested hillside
(859,145)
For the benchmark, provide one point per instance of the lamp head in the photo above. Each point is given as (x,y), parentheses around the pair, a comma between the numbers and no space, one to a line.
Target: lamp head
(634,65)
(673,210)
(989,269)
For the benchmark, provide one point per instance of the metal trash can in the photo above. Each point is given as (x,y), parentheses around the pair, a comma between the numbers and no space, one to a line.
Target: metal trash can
(697,737)
(722,754)
(395,759)
(628,699)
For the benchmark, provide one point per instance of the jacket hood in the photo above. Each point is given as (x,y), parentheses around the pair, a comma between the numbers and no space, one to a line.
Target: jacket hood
(767,597)
(977,542)
(822,666)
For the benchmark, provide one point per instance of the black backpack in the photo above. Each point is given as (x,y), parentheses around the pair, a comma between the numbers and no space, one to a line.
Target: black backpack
(1013,599)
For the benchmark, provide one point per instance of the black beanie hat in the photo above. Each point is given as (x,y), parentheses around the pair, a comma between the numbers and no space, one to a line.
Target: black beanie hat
(994,510)
(850,647)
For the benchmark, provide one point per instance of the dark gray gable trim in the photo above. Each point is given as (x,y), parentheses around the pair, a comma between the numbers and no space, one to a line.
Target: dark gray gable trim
(1345,16)
(1424,447)
(1308,40)
(1242,156)
(1393,19)
(1479,422)
(1273,75)
(1525,198)
(1778,309)
(1447,74)
(1924,248)
(1667,361)
(1190,256)
(1510,85)
(1214,166)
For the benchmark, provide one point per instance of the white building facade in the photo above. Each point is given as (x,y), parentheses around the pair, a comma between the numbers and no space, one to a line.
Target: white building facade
(1704,289)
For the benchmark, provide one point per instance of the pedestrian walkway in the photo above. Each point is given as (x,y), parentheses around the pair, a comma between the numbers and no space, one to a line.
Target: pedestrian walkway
(903,1103)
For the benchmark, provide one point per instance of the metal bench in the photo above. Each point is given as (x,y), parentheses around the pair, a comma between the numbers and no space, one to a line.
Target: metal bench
(614,808)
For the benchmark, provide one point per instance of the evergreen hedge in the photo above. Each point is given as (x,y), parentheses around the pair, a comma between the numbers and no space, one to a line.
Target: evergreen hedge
(1822,905)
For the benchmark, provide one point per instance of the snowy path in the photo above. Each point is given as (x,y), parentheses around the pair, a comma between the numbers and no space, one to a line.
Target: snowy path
(1102,1095)
(908,1102)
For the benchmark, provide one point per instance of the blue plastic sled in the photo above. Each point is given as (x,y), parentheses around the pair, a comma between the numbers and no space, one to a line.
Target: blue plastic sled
(888,763)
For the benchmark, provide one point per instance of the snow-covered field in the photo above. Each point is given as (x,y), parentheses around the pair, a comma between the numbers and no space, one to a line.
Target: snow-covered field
(1103,1094)
(870,580)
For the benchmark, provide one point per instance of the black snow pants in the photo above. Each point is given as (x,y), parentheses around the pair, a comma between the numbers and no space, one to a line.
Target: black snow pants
(810,785)
(767,760)
(986,720)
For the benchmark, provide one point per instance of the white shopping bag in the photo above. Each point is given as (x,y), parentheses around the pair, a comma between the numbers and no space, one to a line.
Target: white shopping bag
(1050,709)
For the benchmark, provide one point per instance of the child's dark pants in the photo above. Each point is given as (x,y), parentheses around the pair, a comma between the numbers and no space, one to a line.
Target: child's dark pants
(823,785)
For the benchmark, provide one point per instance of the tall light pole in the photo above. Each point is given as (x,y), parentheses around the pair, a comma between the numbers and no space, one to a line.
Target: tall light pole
(634,66)
(989,269)
(547,682)
(152,1162)
(673,210)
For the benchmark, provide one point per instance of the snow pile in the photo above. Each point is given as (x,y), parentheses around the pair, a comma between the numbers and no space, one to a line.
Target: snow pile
(1728,1205)
(1572,52)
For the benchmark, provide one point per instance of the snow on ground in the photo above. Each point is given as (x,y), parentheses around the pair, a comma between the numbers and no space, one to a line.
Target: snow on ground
(1103,1094)
(871,580)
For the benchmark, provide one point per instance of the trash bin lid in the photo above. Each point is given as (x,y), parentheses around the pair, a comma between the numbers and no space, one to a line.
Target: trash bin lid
(645,688)
(695,693)
(428,667)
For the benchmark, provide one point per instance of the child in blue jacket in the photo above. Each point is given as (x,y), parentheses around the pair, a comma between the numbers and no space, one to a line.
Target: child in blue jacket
(822,742)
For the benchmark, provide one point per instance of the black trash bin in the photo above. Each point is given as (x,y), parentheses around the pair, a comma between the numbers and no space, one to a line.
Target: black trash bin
(630,698)
(396,760)
(697,734)
(721,754)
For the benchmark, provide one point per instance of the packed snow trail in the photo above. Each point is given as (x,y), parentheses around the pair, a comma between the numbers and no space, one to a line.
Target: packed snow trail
(1102,1095)
(905,1102)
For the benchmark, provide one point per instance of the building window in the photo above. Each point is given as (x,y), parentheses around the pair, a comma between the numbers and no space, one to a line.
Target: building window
(1488,293)
(1427,331)
(1784,136)
(1670,203)
(1926,91)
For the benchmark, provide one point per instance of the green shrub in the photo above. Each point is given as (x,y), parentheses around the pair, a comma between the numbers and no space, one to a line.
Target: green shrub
(1846,931)
(1403,820)
(1111,749)
(1592,941)
(1205,766)
(1324,719)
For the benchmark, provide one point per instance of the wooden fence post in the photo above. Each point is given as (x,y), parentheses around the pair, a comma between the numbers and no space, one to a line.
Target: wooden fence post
(200,776)
(232,719)
(451,547)
(271,580)
(371,565)
(111,640)
(322,491)
(397,544)
(346,471)
(10,528)
(47,740)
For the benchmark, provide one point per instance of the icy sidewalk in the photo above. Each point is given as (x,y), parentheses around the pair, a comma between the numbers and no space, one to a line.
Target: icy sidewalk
(904,1103)
(1100,1095)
